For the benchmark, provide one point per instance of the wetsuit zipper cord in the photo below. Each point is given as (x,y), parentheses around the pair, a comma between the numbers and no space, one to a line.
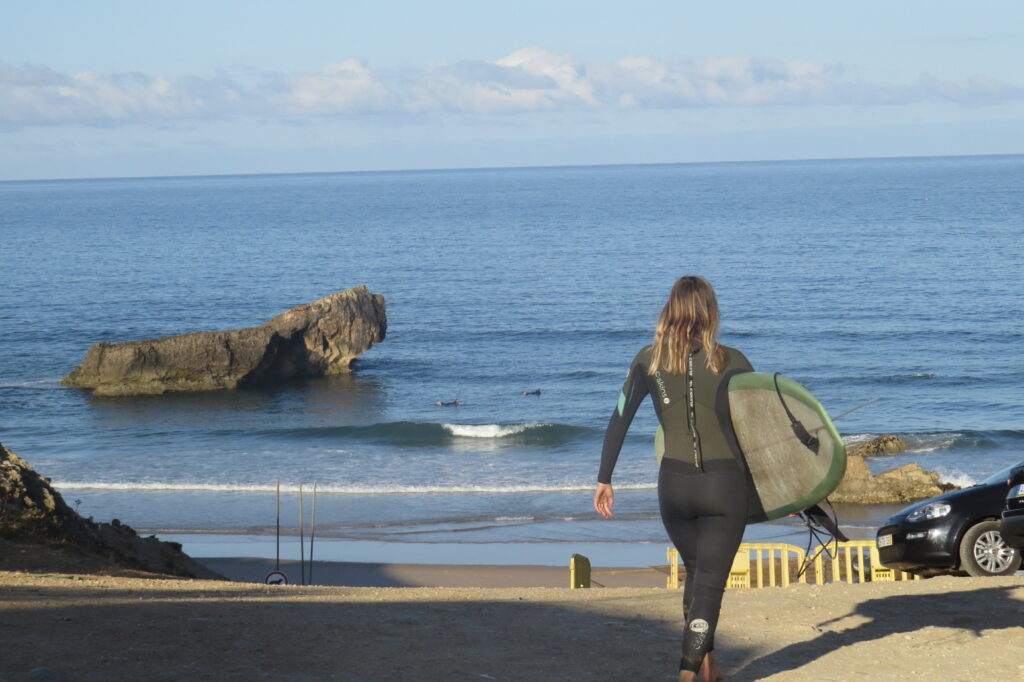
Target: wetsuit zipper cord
(691,414)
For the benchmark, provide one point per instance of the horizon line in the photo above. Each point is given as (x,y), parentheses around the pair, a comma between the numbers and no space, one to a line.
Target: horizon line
(508,168)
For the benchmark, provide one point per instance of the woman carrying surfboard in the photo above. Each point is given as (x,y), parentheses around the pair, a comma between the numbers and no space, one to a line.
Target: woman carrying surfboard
(702,481)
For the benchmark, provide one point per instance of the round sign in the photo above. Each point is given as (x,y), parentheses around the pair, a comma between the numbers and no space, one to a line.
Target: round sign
(276,578)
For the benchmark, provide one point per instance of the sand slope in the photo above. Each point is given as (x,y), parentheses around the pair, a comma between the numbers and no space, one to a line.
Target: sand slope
(104,628)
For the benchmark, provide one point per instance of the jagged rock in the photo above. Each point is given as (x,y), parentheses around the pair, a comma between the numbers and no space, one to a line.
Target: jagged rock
(910,482)
(906,483)
(318,338)
(31,510)
(882,445)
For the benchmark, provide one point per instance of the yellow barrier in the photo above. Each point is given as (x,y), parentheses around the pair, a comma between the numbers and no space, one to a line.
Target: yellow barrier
(771,563)
(672,582)
(764,564)
(581,575)
(739,574)
(579,572)
(854,561)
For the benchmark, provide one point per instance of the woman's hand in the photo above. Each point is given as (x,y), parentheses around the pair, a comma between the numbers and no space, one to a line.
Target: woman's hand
(604,499)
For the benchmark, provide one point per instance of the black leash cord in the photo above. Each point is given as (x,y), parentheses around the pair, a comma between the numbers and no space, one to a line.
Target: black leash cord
(813,534)
(809,441)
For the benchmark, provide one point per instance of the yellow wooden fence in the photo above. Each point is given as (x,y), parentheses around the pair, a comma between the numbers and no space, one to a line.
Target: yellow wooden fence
(765,564)
(774,564)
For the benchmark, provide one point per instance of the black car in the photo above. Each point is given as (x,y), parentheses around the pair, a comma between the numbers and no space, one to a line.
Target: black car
(954,532)
(1012,526)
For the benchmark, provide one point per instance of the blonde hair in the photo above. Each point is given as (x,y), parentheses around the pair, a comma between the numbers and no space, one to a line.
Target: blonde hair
(690,316)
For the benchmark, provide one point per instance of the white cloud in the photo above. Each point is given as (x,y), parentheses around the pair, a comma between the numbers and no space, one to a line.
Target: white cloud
(38,95)
(344,88)
(529,79)
(718,81)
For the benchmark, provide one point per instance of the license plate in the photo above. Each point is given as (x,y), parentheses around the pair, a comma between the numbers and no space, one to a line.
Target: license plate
(884,541)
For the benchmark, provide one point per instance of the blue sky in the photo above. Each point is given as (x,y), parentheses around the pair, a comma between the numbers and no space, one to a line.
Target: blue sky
(184,88)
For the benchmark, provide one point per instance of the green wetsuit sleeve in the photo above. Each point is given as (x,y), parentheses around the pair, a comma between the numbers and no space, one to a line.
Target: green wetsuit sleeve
(633,393)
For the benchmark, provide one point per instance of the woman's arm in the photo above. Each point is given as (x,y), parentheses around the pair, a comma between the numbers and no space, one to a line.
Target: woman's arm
(633,393)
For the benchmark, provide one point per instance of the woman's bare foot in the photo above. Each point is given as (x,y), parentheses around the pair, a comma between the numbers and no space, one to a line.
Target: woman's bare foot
(709,670)
(687,676)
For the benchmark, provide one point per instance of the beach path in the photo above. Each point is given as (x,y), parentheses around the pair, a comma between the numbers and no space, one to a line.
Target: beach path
(102,628)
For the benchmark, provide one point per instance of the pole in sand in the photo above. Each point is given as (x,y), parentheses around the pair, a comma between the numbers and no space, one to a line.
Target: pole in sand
(277,564)
(312,535)
(276,577)
(302,541)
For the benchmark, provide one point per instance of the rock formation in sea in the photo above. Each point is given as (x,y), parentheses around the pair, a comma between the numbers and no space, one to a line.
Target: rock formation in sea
(314,339)
(31,511)
(907,483)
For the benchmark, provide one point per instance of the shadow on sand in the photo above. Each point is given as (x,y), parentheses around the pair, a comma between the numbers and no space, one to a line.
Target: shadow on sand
(969,610)
(88,632)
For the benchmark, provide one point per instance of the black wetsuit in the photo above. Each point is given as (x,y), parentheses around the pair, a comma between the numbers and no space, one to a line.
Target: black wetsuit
(702,482)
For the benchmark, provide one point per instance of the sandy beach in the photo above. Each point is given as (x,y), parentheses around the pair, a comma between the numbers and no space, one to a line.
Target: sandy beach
(107,627)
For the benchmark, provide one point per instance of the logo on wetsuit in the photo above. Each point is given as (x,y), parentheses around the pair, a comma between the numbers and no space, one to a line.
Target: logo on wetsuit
(699,627)
(661,387)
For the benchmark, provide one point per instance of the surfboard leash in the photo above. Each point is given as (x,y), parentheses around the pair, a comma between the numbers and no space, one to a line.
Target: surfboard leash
(817,517)
(809,441)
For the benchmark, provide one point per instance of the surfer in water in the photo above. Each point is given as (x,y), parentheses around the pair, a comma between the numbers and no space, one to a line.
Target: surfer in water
(702,483)
(449,403)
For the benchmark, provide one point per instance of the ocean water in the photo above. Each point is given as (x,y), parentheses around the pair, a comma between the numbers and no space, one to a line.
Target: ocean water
(895,279)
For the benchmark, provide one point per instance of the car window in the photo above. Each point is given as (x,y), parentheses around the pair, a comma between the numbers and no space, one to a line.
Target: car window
(1000,476)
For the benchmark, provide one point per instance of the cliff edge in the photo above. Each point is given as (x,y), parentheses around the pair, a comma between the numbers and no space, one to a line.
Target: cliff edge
(32,512)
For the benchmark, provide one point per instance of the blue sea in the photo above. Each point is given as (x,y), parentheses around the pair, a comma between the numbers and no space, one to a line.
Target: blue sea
(890,279)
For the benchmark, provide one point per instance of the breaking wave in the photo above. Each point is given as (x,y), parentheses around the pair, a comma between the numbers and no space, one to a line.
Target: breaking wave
(430,433)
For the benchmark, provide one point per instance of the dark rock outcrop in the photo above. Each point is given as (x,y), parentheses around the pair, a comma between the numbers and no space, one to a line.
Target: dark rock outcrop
(882,445)
(318,338)
(907,483)
(32,511)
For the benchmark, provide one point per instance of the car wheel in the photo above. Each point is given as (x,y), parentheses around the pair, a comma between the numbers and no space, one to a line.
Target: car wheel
(983,551)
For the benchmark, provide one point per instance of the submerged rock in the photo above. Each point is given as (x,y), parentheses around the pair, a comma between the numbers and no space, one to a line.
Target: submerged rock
(32,511)
(315,339)
(907,483)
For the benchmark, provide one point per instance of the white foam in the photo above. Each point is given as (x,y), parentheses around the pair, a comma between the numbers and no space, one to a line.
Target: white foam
(39,385)
(487,430)
(858,438)
(394,489)
(920,445)
(957,478)
(916,444)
